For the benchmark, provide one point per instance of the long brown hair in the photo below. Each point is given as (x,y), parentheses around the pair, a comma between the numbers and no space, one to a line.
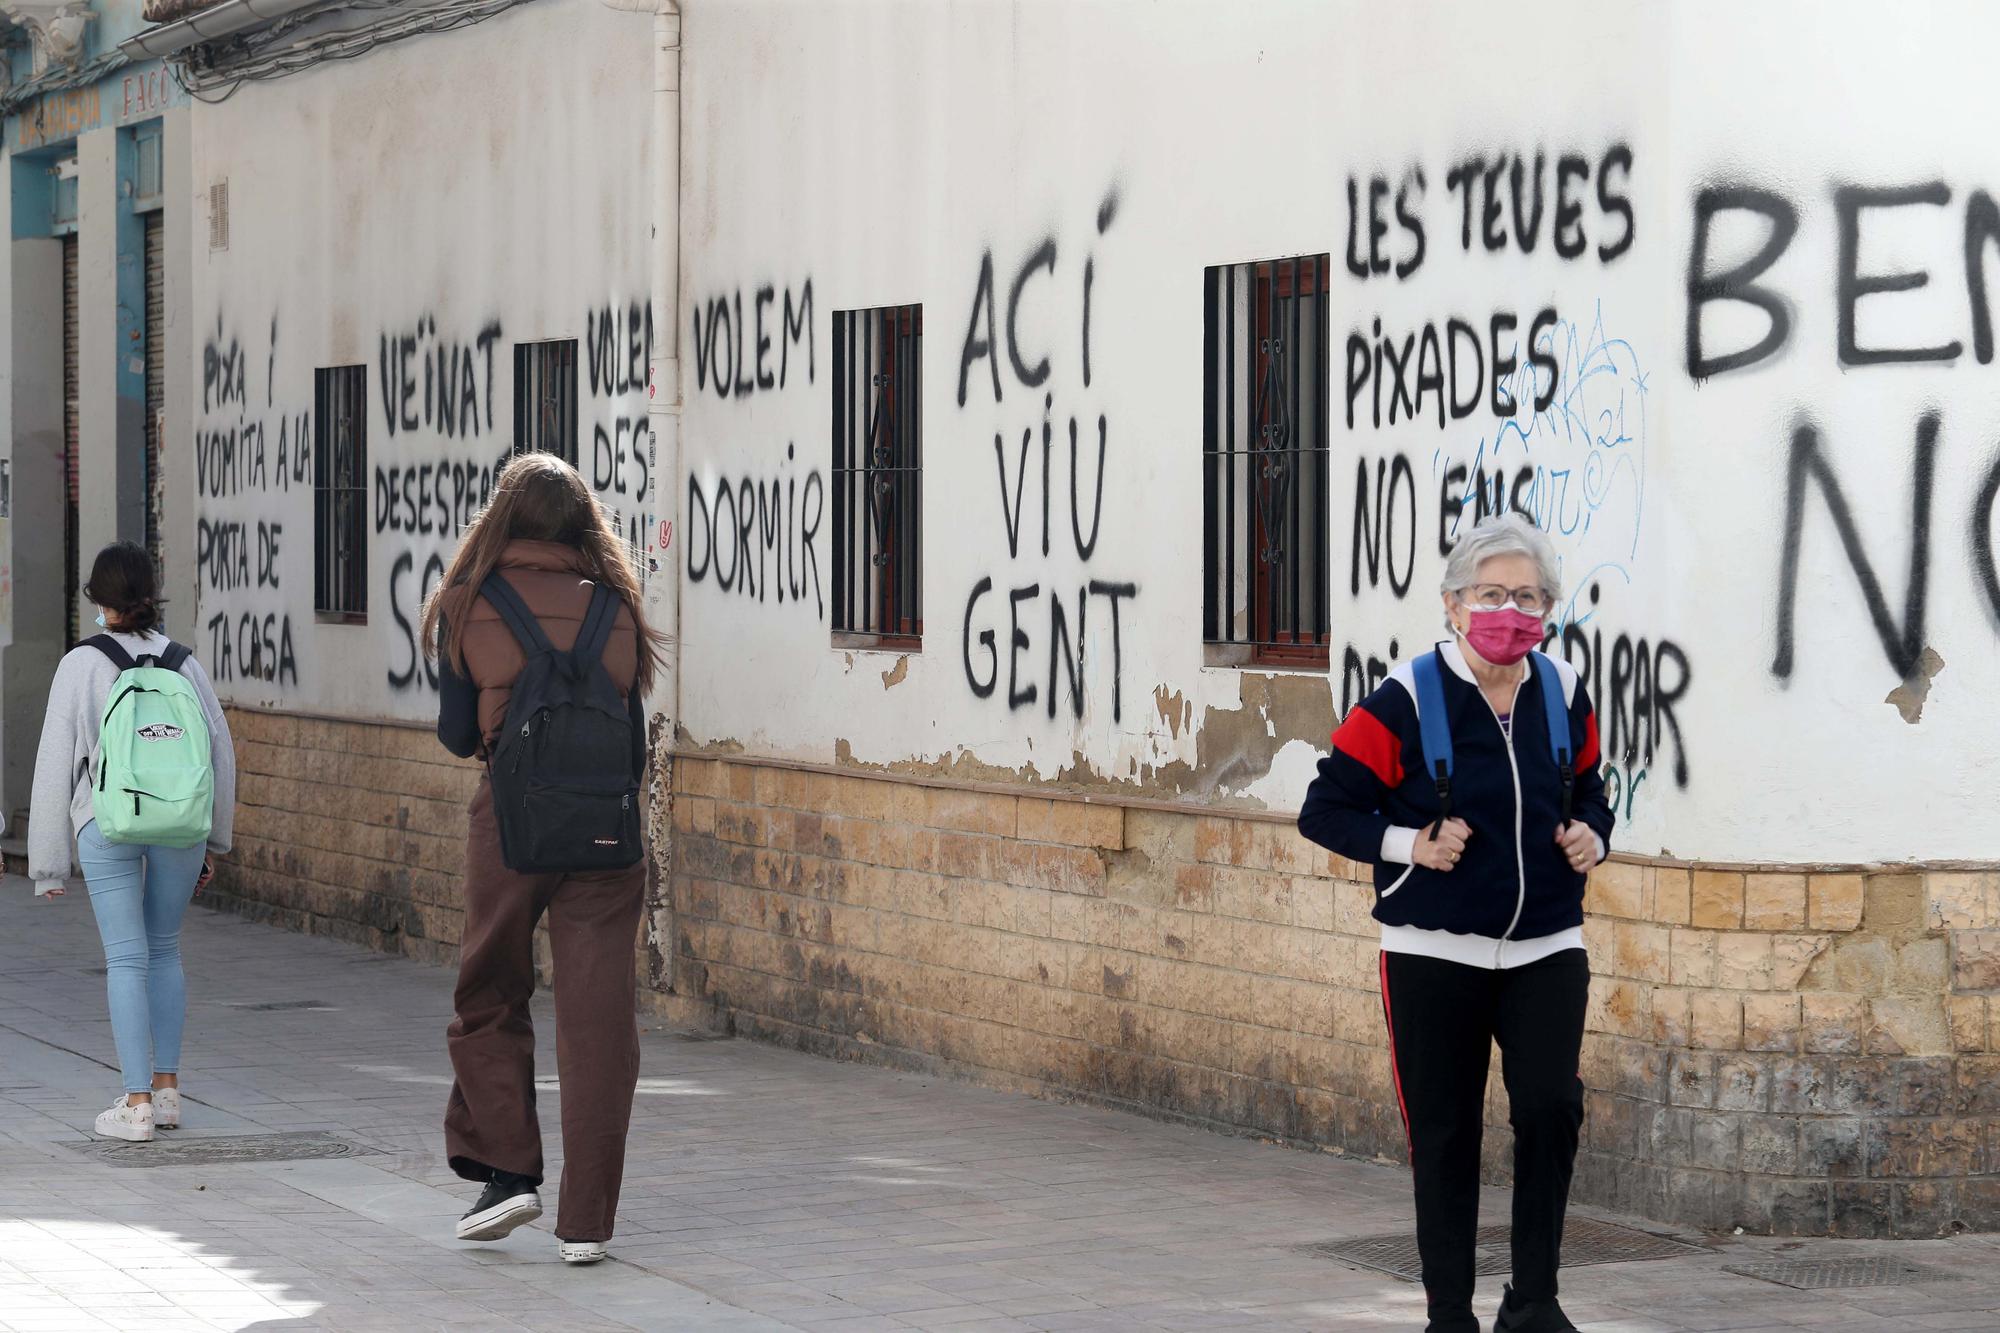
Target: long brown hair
(536,497)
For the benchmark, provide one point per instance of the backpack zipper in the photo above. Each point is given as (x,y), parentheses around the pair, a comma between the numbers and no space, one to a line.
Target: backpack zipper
(1520,861)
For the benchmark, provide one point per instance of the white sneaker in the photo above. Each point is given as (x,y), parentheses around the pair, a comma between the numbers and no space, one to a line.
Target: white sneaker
(126,1121)
(166,1108)
(582,1251)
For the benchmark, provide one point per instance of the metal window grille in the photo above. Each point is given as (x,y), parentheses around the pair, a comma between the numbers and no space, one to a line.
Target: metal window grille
(878,451)
(1264,459)
(545,398)
(340,492)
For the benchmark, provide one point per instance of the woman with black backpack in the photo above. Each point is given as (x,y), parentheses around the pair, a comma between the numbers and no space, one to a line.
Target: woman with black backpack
(543,659)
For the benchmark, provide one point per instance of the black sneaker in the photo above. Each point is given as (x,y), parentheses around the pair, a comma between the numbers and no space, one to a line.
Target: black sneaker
(1519,1316)
(507,1202)
(1453,1317)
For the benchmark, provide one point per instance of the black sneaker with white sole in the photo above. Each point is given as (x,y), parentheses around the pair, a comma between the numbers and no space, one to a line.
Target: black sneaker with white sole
(507,1202)
(1519,1316)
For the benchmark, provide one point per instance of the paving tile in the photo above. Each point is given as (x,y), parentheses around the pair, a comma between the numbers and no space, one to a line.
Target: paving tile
(765,1190)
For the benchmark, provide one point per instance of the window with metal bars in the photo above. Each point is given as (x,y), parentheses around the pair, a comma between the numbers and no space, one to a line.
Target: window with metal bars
(545,398)
(878,453)
(1264,462)
(340,493)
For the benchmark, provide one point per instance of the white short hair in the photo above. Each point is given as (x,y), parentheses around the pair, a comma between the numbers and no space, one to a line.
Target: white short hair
(1501,534)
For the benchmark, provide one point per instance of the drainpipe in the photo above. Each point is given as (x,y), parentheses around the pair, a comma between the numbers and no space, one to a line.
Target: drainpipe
(663,409)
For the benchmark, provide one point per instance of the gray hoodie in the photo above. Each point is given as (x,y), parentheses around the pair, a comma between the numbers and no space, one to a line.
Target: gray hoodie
(60,804)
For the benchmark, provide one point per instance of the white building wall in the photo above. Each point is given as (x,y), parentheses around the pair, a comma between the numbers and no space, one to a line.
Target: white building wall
(874,154)
(426,207)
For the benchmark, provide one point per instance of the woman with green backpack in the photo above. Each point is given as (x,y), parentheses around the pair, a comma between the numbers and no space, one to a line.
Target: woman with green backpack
(136,763)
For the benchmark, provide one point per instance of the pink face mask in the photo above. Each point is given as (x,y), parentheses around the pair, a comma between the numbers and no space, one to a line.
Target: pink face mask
(1504,635)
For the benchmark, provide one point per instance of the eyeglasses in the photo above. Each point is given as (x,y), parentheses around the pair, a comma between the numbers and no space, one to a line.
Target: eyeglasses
(1493,596)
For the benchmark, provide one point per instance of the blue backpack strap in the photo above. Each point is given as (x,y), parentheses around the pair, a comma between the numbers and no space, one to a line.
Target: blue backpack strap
(527,630)
(1435,726)
(175,657)
(1556,710)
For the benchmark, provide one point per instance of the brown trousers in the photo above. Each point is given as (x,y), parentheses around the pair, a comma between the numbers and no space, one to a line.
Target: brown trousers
(490,1121)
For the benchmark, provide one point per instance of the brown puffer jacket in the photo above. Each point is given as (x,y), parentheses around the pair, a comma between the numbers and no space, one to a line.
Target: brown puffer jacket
(549,577)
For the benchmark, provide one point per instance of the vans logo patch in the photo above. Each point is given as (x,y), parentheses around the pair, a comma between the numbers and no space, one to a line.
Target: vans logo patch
(161,731)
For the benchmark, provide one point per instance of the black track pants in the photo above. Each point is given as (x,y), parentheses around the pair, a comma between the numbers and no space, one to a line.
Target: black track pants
(1443,1018)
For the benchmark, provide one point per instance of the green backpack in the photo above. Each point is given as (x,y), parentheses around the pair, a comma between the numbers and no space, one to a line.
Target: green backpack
(155,786)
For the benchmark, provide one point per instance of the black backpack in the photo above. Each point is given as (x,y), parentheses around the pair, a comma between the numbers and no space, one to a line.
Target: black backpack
(564,793)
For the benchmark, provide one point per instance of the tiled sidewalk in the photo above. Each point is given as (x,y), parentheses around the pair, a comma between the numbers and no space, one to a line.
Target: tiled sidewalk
(765,1190)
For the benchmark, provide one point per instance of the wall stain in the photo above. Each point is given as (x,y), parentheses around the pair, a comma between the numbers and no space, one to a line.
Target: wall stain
(1234,748)
(895,675)
(1909,697)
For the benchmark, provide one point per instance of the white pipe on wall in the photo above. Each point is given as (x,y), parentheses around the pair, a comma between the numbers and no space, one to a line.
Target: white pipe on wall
(663,408)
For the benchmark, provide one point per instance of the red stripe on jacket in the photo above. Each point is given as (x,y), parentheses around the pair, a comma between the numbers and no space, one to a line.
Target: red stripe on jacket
(1364,739)
(1586,758)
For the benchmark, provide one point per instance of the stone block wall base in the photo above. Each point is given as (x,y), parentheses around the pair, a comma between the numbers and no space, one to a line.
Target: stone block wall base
(353,830)
(1791,1053)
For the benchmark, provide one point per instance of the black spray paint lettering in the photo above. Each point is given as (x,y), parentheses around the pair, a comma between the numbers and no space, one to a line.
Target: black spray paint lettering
(732,354)
(1374,521)
(1361,675)
(1010,514)
(1486,187)
(253,648)
(619,346)
(232,448)
(224,551)
(1853,206)
(1455,372)
(407,596)
(983,679)
(225,372)
(433,499)
(1409,196)
(436,384)
(1635,686)
(234,459)
(612,447)
(1739,283)
(1901,644)
(757,537)
(980,345)
(1494,491)
(1068,619)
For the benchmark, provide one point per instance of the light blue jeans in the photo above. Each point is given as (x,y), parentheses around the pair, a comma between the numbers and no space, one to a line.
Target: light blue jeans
(139,895)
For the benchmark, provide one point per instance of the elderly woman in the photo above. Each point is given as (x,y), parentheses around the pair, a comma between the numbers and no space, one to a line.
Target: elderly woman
(1470,782)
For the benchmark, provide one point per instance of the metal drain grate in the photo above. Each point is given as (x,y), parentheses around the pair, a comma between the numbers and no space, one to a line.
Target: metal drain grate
(1829,1274)
(222,1150)
(1584,1242)
(274,1006)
